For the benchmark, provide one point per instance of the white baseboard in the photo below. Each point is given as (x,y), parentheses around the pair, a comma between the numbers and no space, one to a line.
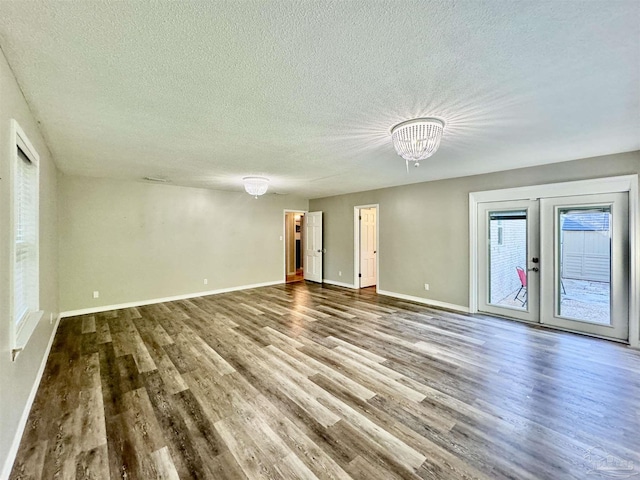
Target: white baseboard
(426,301)
(140,303)
(13,451)
(339,284)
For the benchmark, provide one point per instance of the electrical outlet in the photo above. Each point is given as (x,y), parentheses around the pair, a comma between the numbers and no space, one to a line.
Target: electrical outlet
(280,237)
(96,294)
(340,273)
(206,281)
(426,286)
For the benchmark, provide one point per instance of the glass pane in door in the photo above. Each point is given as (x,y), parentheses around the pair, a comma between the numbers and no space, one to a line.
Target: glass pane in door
(508,259)
(583,279)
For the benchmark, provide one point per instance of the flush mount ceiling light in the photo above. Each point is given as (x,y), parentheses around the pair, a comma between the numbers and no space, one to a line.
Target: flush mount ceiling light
(416,140)
(256,186)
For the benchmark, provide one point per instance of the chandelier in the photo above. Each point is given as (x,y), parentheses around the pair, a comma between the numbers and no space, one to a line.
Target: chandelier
(256,186)
(417,139)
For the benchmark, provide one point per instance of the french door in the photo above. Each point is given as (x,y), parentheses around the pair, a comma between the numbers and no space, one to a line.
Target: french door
(585,264)
(509,260)
(561,262)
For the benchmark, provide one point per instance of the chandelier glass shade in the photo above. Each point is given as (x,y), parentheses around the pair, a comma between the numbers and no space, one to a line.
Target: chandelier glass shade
(256,186)
(417,139)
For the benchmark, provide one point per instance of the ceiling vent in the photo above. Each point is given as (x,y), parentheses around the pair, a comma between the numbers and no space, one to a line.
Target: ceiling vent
(155,179)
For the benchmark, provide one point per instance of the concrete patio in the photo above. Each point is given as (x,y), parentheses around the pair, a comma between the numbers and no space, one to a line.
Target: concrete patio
(581,299)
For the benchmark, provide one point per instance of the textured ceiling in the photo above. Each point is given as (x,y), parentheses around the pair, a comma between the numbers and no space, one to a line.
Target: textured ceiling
(305,92)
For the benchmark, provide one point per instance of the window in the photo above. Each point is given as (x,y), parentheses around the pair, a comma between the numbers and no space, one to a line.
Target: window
(25,259)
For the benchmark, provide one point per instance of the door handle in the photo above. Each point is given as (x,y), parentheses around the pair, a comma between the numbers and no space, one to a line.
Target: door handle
(375,251)
(319,251)
(534,269)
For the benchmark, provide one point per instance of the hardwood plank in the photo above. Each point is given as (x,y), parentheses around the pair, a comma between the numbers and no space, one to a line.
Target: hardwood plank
(316,459)
(164,467)
(102,330)
(174,430)
(243,447)
(89,324)
(93,464)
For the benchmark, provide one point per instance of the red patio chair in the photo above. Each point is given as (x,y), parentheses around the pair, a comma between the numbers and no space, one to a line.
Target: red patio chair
(523,285)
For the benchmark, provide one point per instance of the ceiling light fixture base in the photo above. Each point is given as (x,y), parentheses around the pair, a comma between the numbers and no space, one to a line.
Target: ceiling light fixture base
(256,186)
(417,139)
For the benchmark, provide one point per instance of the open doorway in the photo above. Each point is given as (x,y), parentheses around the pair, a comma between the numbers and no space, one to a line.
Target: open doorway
(293,262)
(366,246)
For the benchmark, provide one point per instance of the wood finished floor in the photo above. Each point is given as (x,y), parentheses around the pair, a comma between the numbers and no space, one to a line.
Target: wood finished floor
(305,381)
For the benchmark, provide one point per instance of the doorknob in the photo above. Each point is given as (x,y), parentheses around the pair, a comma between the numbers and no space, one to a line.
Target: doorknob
(534,269)
(319,251)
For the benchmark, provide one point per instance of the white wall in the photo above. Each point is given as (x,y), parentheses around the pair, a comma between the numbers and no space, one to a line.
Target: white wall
(135,241)
(17,378)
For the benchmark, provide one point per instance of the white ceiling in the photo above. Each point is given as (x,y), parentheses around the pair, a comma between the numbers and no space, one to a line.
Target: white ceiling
(305,92)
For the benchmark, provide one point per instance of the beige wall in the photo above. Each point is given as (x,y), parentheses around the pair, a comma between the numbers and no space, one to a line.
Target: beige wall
(134,241)
(424,228)
(17,378)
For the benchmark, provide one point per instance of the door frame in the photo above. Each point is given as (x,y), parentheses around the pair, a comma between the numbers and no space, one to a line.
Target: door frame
(284,238)
(622,183)
(356,244)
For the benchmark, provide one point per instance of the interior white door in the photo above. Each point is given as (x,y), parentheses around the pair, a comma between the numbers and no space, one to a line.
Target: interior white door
(585,264)
(508,260)
(368,247)
(313,246)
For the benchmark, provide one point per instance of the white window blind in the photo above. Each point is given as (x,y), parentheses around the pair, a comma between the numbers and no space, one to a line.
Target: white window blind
(25,278)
